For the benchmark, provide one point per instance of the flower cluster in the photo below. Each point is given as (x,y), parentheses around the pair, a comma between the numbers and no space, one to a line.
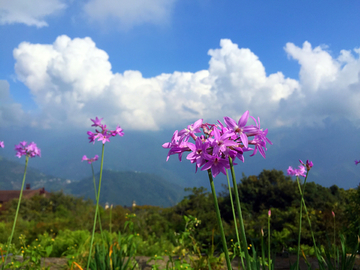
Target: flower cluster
(104,134)
(212,149)
(357,162)
(90,160)
(31,150)
(2,144)
(302,169)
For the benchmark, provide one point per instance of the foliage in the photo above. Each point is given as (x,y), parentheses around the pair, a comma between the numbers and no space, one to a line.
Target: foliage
(160,231)
(31,254)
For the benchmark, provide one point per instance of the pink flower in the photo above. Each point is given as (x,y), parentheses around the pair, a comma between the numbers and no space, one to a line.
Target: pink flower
(357,162)
(97,122)
(190,131)
(2,144)
(308,165)
(104,134)
(90,160)
(333,214)
(31,150)
(269,213)
(217,143)
(297,172)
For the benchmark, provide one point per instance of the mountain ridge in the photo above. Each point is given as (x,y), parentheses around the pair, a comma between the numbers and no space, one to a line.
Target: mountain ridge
(119,188)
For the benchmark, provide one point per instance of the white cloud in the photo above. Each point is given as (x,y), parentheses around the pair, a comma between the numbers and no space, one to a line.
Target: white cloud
(28,12)
(72,81)
(129,13)
(329,86)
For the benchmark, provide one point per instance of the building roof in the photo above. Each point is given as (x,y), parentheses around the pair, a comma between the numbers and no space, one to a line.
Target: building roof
(7,195)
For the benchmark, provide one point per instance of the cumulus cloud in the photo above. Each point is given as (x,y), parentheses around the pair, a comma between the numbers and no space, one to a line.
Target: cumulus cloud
(129,13)
(31,13)
(71,80)
(329,86)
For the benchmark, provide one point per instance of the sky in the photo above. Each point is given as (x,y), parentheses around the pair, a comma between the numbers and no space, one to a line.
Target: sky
(156,65)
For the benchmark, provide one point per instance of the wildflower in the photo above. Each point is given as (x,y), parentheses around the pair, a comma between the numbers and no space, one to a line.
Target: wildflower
(97,122)
(308,165)
(357,162)
(2,144)
(31,150)
(297,172)
(213,148)
(89,160)
(333,214)
(269,213)
(103,134)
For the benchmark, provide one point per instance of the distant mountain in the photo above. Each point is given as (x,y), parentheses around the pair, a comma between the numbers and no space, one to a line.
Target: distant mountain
(122,188)
(12,172)
(118,188)
(332,146)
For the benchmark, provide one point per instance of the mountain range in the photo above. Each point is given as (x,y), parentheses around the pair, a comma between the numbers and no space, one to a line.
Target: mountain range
(118,188)
(332,146)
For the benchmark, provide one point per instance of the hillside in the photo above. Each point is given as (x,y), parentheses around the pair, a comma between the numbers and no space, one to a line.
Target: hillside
(12,172)
(121,188)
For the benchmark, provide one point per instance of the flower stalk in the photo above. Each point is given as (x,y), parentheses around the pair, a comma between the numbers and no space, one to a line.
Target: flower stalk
(241,221)
(96,196)
(97,206)
(218,216)
(234,216)
(269,258)
(17,210)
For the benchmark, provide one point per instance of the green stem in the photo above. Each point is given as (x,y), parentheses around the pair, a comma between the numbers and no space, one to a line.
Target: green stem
(92,169)
(110,218)
(218,216)
(298,251)
(306,212)
(234,216)
(17,211)
(269,242)
(97,206)
(241,221)
(334,242)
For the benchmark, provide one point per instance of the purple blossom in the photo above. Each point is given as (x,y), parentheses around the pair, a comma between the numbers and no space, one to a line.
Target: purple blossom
(90,160)
(103,134)
(197,154)
(308,165)
(177,146)
(217,165)
(2,144)
(357,162)
(97,122)
(239,128)
(297,172)
(190,131)
(118,131)
(31,150)
(217,143)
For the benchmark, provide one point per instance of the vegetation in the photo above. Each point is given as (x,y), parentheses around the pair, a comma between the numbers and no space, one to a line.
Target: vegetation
(60,225)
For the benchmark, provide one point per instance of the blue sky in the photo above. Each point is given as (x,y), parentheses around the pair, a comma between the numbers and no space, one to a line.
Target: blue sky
(153,65)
